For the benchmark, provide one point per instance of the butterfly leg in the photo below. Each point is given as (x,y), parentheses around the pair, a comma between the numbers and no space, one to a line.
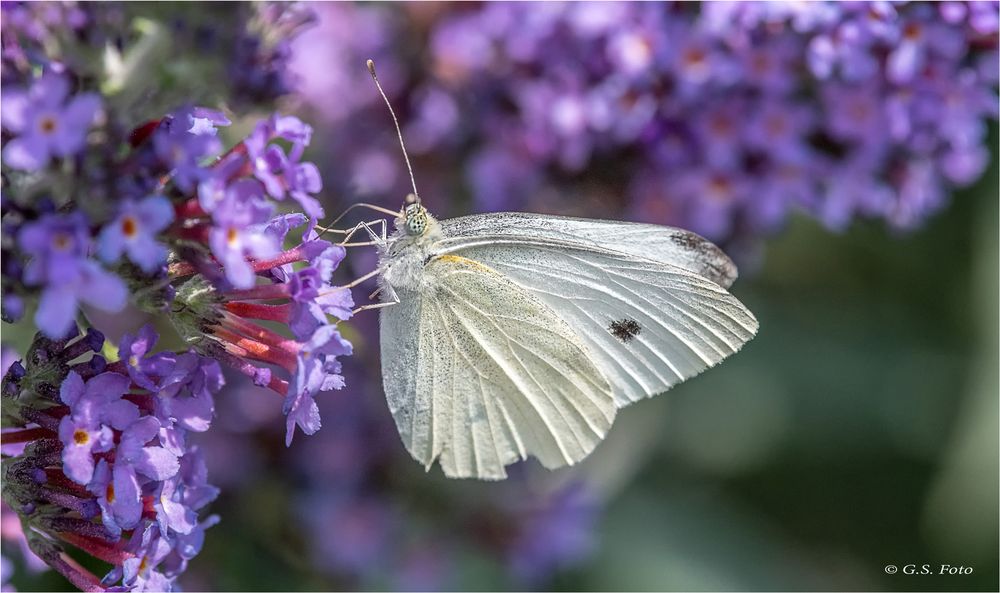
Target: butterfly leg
(357,281)
(379,209)
(394,300)
(375,239)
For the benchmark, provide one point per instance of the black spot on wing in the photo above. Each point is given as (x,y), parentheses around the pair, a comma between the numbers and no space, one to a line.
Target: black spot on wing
(625,329)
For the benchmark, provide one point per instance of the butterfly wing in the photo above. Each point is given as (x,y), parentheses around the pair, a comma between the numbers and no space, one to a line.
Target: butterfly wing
(670,245)
(479,374)
(648,324)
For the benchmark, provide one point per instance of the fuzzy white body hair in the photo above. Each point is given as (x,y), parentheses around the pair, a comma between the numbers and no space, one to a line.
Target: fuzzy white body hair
(402,258)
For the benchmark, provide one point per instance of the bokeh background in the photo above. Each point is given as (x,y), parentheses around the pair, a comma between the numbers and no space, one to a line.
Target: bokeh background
(859,429)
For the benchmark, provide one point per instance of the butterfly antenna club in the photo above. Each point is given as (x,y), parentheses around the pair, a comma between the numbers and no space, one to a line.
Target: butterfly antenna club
(399,132)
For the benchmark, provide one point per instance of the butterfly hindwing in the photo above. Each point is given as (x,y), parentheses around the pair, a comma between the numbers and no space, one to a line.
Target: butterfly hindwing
(479,374)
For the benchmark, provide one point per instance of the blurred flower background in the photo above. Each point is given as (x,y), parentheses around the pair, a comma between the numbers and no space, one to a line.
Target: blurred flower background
(844,154)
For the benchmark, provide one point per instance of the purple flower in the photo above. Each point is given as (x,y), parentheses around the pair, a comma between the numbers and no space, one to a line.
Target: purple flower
(178,501)
(95,408)
(171,512)
(185,397)
(134,232)
(134,461)
(279,226)
(313,298)
(8,356)
(134,452)
(316,370)
(294,130)
(268,161)
(143,369)
(82,436)
(303,180)
(45,123)
(139,572)
(239,231)
(13,308)
(102,487)
(281,173)
(58,245)
(185,140)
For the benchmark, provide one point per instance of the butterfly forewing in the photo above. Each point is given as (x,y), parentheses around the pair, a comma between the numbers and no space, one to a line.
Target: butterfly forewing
(479,373)
(647,324)
(669,245)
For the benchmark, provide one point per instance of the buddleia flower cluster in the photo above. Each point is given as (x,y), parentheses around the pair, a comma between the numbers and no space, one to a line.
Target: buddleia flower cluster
(720,117)
(107,211)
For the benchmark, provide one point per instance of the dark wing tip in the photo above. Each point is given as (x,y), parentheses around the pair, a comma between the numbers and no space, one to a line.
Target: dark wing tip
(714,264)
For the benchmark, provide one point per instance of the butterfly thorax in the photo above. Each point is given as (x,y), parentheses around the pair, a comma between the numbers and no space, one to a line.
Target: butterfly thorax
(404,255)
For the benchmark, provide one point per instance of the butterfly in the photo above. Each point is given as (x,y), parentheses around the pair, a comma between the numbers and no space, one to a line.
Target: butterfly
(511,335)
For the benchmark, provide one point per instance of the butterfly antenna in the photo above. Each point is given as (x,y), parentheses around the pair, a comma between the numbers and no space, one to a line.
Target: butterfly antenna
(399,132)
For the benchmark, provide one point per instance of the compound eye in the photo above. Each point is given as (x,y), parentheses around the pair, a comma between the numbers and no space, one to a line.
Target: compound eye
(417,225)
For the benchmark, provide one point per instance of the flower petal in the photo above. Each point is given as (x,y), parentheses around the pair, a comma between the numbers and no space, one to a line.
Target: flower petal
(14,110)
(157,463)
(56,311)
(102,289)
(127,505)
(27,153)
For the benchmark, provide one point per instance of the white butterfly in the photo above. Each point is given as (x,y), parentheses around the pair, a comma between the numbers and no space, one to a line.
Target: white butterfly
(516,335)
(511,335)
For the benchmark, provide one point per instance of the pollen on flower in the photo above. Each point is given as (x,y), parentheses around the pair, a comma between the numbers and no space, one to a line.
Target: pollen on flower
(719,188)
(110,492)
(61,241)
(232,236)
(912,31)
(695,57)
(47,124)
(129,227)
(133,361)
(80,437)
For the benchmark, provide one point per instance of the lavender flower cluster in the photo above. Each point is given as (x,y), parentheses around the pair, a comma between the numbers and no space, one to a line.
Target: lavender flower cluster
(720,117)
(104,211)
(109,454)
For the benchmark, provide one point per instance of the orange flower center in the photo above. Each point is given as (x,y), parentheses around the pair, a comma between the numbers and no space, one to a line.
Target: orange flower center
(48,124)
(719,188)
(110,493)
(776,126)
(61,241)
(232,236)
(129,227)
(80,437)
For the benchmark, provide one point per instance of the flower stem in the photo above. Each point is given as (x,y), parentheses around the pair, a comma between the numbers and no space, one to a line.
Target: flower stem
(279,313)
(250,348)
(25,435)
(286,257)
(259,333)
(96,548)
(262,292)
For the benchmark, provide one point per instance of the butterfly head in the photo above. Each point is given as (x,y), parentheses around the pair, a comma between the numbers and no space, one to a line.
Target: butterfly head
(415,219)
